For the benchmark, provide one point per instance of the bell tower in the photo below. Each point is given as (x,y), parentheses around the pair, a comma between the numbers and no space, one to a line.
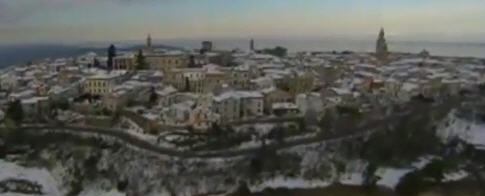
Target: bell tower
(382,51)
(149,41)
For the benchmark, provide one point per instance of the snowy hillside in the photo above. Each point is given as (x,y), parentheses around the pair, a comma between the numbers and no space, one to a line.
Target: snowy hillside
(466,130)
(12,171)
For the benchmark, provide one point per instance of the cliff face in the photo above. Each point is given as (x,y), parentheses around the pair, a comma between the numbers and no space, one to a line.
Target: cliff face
(97,166)
(84,170)
(108,168)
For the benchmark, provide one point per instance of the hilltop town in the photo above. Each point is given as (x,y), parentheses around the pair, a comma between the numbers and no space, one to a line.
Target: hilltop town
(226,108)
(152,90)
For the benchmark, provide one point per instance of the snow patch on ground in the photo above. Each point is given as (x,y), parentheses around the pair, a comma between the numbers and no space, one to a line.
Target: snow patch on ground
(390,176)
(250,144)
(290,183)
(10,170)
(455,127)
(90,192)
(147,137)
(354,178)
(14,194)
(423,161)
(260,128)
(455,176)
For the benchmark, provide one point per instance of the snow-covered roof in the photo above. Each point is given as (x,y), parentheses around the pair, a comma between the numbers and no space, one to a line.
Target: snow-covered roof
(341,91)
(101,74)
(166,91)
(158,74)
(125,55)
(21,94)
(272,66)
(33,100)
(151,116)
(364,65)
(284,105)
(262,56)
(407,86)
(212,68)
(268,90)
(263,80)
(183,106)
(238,95)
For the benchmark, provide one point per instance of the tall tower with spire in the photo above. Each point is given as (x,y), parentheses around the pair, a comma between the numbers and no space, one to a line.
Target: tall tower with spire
(251,45)
(382,51)
(149,41)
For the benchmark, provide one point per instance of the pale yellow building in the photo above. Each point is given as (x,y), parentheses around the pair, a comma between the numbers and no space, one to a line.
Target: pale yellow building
(127,62)
(240,79)
(187,79)
(201,118)
(166,62)
(274,95)
(197,80)
(100,84)
(215,78)
(296,83)
(301,83)
(194,80)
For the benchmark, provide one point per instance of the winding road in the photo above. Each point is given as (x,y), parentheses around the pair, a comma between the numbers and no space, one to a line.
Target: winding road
(127,138)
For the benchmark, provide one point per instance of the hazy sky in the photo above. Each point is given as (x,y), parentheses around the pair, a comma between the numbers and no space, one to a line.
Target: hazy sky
(42,21)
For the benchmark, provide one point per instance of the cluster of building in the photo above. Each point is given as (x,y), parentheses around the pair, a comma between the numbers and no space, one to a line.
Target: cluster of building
(198,88)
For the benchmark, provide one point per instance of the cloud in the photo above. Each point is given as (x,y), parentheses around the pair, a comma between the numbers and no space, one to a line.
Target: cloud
(3,9)
(128,19)
(10,12)
(15,11)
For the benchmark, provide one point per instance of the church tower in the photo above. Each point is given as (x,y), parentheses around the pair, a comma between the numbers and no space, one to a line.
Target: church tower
(381,47)
(251,45)
(149,41)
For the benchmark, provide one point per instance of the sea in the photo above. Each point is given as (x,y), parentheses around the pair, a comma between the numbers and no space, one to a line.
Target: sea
(435,48)
(21,54)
